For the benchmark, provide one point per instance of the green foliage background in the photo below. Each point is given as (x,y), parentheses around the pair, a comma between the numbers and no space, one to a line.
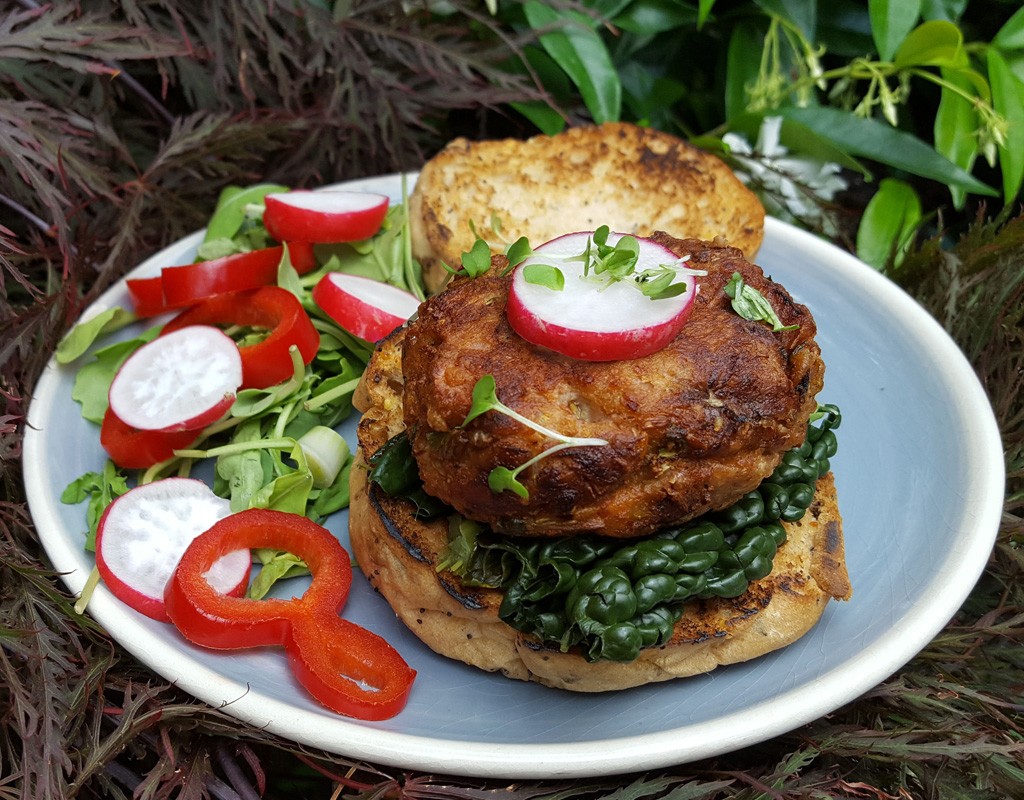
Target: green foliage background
(120,121)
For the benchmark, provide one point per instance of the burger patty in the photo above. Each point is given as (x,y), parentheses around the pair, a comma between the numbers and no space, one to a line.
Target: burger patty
(690,429)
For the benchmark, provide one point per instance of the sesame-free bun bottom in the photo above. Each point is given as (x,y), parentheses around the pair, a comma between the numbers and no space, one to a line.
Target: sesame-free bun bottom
(398,553)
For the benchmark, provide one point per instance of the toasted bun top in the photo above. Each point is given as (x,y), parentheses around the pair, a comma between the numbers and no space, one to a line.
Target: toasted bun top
(632,179)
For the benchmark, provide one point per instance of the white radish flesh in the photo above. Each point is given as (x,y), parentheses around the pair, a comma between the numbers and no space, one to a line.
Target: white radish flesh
(365,308)
(144,532)
(591,318)
(181,381)
(324,217)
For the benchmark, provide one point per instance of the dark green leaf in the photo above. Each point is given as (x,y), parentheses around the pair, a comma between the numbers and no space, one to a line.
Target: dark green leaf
(577,48)
(743,59)
(949,10)
(801,13)
(1008,100)
(881,142)
(1011,35)
(846,29)
(889,223)
(703,12)
(891,21)
(393,467)
(797,137)
(955,126)
(935,43)
(645,17)
(548,120)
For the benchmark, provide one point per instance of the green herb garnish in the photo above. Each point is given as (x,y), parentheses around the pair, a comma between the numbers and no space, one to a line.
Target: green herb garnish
(544,275)
(751,304)
(499,479)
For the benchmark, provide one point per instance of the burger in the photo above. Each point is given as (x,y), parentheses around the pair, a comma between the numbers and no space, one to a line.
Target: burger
(704,530)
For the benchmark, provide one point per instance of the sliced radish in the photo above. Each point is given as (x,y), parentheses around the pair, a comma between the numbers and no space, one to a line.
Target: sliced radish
(324,217)
(182,381)
(364,307)
(591,318)
(143,533)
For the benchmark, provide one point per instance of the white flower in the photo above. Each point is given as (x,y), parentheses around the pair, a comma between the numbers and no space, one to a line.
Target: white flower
(789,184)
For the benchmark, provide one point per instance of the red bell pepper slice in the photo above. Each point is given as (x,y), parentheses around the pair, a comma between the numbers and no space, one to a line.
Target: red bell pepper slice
(267,362)
(147,295)
(131,448)
(347,668)
(302,256)
(191,283)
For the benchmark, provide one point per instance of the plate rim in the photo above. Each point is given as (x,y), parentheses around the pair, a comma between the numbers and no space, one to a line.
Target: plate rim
(593,757)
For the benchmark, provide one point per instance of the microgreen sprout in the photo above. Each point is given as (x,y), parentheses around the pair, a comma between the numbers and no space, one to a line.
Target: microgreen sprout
(751,304)
(602,262)
(499,479)
(606,263)
(477,261)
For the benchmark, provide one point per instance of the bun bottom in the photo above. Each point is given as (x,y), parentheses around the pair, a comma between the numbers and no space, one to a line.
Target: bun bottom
(397,554)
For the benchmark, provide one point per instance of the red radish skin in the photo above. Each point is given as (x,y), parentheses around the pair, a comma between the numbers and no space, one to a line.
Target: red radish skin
(324,217)
(593,320)
(183,380)
(365,308)
(143,534)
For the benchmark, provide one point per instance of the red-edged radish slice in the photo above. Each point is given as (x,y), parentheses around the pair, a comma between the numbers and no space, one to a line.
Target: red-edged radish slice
(324,217)
(143,533)
(364,307)
(593,319)
(182,381)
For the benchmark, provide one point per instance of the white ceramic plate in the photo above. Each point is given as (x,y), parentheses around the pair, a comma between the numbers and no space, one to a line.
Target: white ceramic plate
(920,480)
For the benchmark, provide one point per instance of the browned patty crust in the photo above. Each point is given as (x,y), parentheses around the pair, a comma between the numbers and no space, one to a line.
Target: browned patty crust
(690,428)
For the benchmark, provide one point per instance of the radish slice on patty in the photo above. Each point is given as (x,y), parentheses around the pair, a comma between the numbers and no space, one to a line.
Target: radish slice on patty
(324,217)
(365,308)
(593,318)
(144,532)
(181,381)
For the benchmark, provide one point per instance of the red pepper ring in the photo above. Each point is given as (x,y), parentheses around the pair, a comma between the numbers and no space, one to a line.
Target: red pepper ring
(347,668)
(267,362)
